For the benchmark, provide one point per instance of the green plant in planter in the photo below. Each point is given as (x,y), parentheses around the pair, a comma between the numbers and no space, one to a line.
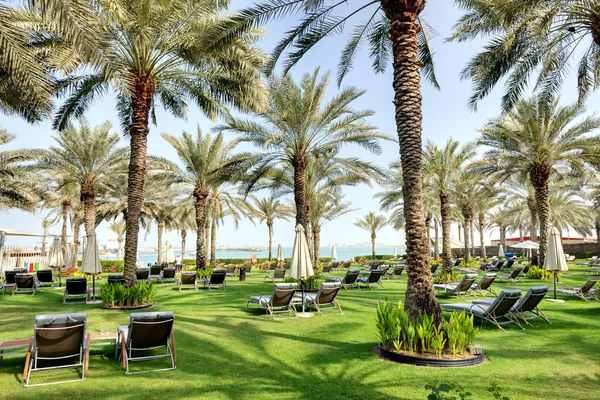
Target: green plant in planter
(438,339)
(115,295)
(447,277)
(536,272)
(203,273)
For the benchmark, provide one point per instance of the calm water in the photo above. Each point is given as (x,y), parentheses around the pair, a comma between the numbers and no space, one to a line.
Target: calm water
(343,253)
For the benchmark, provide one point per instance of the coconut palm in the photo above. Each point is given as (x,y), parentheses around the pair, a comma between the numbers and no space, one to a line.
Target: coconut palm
(327,206)
(118,227)
(540,140)
(162,212)
(88,157)
(299,125)
(500,218)
(441,167)
(268,210)
(372,223)
(208,162)
(19,185)
(394,35)
(541,37)
(165,53)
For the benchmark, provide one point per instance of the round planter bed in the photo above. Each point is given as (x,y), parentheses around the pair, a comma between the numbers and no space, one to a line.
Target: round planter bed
(141,307)
(430,362)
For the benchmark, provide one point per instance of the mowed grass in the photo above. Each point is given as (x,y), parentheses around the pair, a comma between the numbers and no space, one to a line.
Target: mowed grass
(226,352)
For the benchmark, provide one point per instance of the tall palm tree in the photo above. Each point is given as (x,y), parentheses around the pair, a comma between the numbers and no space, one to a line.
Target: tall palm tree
(299,125)
(47,222)
(208,162)
(372,223)
(162,212)
(268,210)
(569,211)
(395,35)
(541,37)
(484,203)
(164,53)
(500,218)
(87,157)
(539,140)
(441,168)
(184,220)
(18,182)
(327,207)
(118,227)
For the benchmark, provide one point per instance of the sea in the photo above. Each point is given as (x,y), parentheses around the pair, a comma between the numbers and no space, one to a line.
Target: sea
(343,253)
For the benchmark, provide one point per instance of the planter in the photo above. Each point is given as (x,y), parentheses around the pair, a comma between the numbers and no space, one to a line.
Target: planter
(430,362)
(123,308)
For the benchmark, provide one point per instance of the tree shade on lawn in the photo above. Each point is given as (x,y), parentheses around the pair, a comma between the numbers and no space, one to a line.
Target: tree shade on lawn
(163,53)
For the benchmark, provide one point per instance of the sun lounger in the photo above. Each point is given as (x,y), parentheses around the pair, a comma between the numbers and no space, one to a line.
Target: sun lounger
(217,278)
(45,276)
(280,300)
(142,274)
(459,289)
(10,278)
(277,273)
(495,267)
(325,298)
(373,277)
(76,289)
(348,280)
(156,272)
(513,276)
(457,262)
(592,261)
(528,304)
(396,272)
(327,268)
(485,284)
(57,338)
(168,274)
(118,279)
(188,279)
(231,270)
(24,284)
(584,292)
(147,331)
(498,312)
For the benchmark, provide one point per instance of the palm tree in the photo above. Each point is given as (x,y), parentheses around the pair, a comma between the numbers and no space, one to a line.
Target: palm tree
(163,53)
(208,162)
(441,167)
(372,223)
(394,34)
(531,37)
(184,220)
(18,182)
(500,218)
(87,157)
(486,201)
(299,126)
(162,212)
(118,227)
(47,222)
(539,140)
(268,210)
(327,207)
(569,211)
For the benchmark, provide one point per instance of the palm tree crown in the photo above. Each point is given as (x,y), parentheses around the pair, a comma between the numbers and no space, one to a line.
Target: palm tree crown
(268,210)
(372,223)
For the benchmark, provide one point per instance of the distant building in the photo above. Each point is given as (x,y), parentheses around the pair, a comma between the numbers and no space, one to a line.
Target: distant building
(565,240)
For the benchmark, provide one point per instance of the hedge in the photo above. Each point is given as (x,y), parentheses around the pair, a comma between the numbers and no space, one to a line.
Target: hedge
(380,257)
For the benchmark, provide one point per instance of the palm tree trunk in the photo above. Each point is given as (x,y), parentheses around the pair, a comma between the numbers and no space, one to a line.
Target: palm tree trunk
(373,237)
(503,236)
(436,233)
(309,232)
(207,230)
(141,101)
(120,248)
(521,233)
(428,218)
(597,226)
(317,245)
(213,243)
(466,226)
(200,194)
(532,206)
(539,178)
(161,227)
(299,196)
(420,297)
(183,236)
(270,226)
(446,212)
(471,231)
(76,233)
(481,231)
(63,234)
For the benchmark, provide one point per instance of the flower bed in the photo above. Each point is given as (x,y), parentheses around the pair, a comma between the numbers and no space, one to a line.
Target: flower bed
(118,296)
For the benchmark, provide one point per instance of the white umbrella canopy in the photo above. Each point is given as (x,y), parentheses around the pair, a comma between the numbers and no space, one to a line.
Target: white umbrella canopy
(528,244)
(500,251)
(301,266)
(169,254)
(280,253)
(55,258)
(333,253)
(555,256)
(90,263)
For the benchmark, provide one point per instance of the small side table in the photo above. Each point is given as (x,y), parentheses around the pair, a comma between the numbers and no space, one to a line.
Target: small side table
(107,338)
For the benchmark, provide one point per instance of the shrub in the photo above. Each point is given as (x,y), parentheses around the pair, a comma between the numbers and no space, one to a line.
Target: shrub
(536,272)
(470,264)
(446,277)
(116,295)
(311,283)
(204,273)
(397,331)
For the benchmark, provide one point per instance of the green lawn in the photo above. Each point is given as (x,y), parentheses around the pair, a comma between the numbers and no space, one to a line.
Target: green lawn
(226,352)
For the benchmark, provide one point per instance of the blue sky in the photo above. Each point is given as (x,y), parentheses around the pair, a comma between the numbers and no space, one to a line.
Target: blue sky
(445,115)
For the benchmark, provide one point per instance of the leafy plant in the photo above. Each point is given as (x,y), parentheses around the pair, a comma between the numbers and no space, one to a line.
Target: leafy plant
(536,272)
(447,277)
(443,391)
(202,273)
(115,295)
(461,332)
